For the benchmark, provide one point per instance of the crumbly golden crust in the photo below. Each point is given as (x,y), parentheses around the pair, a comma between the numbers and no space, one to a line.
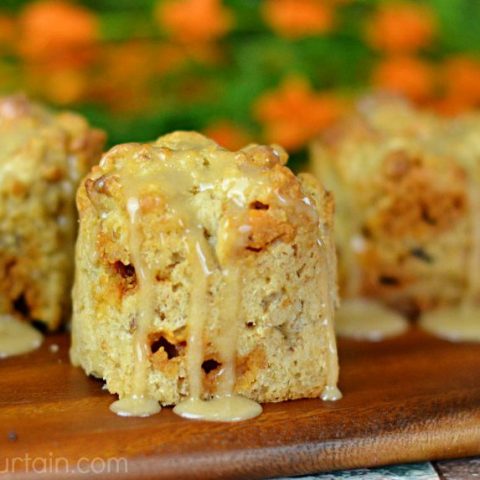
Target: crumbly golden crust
(282,341)
(402,181)
(42,158)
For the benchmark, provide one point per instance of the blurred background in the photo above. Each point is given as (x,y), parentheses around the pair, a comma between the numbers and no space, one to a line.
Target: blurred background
(239,70)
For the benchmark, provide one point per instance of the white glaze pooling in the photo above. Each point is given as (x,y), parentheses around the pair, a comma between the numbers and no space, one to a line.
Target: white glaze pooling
(17,337)
(228,408)
(135,406)
(458,324)
(364,319)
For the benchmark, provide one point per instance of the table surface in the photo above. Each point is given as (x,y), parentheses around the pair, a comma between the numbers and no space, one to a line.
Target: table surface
(411,399)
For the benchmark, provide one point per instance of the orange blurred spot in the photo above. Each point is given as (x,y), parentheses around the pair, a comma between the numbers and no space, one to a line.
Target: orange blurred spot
(192,21)
(169,57)
(461,78)
(58,31)
(409,76)
(450,105)
(228,134)
(65,86)
(127,71)
(7,29)
(460,85)
(401,27)
(129,61)
(62,86)
(297,18)
(294,113)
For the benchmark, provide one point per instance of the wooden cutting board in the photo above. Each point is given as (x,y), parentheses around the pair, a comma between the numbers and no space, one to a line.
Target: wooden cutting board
(409,399)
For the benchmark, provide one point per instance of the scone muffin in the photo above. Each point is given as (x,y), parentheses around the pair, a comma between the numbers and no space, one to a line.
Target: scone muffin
(202,272)
(43,156)
(406,184)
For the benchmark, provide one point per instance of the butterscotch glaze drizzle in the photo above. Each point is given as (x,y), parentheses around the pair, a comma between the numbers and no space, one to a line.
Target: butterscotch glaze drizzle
(17,337)
(197,318)
(226,406)
(229,329)
(328,292)
(139,403)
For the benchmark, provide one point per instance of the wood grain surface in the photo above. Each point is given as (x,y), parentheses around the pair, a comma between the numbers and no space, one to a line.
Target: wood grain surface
(409,399)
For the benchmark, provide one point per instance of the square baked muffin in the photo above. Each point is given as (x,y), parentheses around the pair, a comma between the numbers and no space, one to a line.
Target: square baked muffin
(202,272)
(406,184)
(43,156)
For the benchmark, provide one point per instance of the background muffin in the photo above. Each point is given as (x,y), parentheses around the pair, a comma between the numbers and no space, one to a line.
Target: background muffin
(245,212)
(406,186)
(42,159)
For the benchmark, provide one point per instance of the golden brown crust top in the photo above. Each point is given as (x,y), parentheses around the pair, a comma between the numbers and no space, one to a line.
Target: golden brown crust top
(250,190)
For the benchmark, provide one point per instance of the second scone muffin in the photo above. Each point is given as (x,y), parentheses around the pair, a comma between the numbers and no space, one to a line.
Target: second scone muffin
(406,184)
(43,156)
(181,196)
